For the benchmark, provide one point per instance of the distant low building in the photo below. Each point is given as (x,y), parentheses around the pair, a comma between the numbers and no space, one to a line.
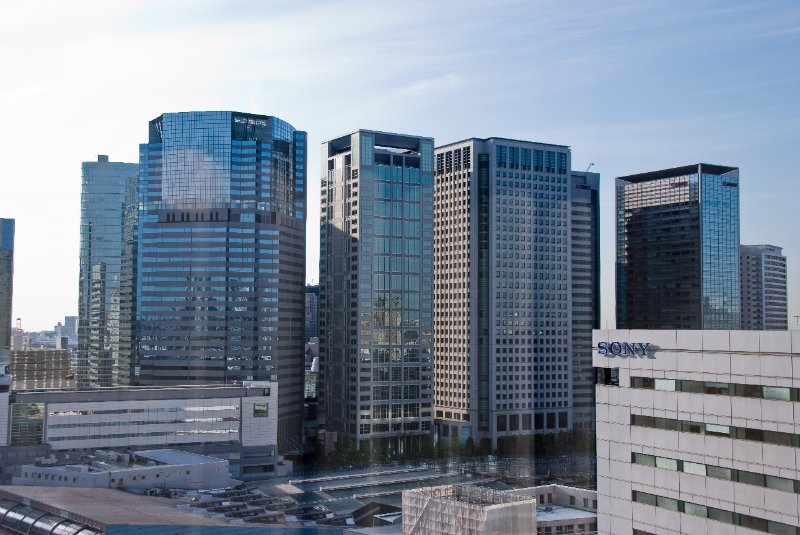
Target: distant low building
(467,510)
(41,368)
(762,273)
(103,512)
(142,470)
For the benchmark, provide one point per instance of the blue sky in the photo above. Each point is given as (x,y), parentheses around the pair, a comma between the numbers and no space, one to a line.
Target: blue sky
(630,86)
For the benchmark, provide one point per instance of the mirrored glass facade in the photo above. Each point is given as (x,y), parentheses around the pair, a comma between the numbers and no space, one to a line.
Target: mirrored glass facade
(376,291)
(106,199)
(678,249)
(6,286)
(221,255)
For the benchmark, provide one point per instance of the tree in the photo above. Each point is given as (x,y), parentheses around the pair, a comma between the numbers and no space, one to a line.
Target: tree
(469,447)
(441,449)
(427,448)
(455,446)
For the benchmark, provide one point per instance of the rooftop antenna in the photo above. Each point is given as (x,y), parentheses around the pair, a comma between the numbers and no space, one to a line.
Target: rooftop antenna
(590,166)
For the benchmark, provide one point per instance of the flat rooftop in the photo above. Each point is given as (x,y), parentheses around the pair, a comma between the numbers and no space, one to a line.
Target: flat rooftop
(678,171)
(139,393)
(553,513)
(172,457)
(107,506)
(506,139)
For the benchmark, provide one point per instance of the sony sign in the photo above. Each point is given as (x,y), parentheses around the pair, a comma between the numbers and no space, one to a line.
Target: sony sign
(627,349)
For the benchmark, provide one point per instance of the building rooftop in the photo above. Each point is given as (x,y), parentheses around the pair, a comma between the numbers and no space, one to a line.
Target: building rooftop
(104,507)
(553,513)
(169,456)
(485,139)
(132,393)
(678,171)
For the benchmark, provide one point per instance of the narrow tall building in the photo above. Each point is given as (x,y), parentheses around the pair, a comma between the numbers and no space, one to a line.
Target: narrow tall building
(678,249)
(585,267)
(220,251)
(376,290)
(6,287)
(504,362)
(312,311)
(762,272)
(104,205)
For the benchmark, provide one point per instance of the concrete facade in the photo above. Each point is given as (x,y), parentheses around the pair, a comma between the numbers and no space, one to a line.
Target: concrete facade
(236,423)
(164,469)
(504,363)
(762,271)
(467,510)
(697,432)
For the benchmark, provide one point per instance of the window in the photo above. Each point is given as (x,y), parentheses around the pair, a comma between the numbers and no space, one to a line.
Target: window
(665,384)
(260,410)
(607,376)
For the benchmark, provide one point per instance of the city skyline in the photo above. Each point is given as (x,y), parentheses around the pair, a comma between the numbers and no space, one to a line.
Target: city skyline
(687,91)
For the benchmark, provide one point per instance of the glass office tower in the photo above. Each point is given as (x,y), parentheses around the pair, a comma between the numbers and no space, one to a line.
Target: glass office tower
(106,201)
(221,255)
(376,291)
(678,249)
(6,287)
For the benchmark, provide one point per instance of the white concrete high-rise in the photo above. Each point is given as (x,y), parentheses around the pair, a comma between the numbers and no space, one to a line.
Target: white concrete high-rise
(505,363)
(697,431)
(762,273)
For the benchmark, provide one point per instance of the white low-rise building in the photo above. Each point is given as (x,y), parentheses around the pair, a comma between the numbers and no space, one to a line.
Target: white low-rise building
(234,422)
(152,469)
(698,432)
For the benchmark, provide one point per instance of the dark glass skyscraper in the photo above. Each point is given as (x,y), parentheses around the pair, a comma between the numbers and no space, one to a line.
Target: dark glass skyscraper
(221,255)
(106,201)
(6,286)
(678,249)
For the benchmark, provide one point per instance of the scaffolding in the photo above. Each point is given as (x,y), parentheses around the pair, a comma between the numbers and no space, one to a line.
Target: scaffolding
(467,509)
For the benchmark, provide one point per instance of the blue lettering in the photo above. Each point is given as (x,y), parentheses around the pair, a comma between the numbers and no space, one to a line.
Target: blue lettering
(629,349)
(616,348)
(643,347)
(602,348)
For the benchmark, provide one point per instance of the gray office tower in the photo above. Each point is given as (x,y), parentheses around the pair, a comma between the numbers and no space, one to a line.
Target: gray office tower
(504,360)
(678,249)
(221,256)
(585,258)
(376,291)
(6,290)
(106,201)
(762,272)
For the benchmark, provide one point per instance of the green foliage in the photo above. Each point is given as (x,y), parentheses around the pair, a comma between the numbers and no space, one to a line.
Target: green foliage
(455,446)
(469,447)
